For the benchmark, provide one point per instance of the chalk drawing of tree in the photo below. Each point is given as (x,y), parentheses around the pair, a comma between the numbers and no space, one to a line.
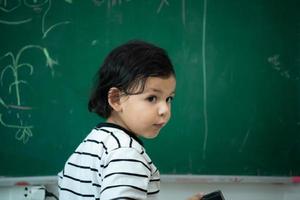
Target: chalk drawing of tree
(23,132)
(17,109)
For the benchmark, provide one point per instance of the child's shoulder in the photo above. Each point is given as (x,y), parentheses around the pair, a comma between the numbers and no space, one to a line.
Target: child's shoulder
(112,137)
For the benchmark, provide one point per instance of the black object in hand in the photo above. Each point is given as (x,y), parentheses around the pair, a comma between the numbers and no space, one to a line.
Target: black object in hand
(217,195)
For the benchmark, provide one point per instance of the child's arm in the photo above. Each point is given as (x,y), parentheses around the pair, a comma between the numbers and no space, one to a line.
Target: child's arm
(126,174)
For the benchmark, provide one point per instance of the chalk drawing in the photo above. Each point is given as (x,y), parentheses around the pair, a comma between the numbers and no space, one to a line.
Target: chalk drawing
(161,5)
(116,2)
(274,60)
(9,6)
(244,140)
(94,42)
(205,113)
(17,119)
(110,3)
(15,22)
(98,2)
(46,31)
(35,5)
(183,12)
(24,131)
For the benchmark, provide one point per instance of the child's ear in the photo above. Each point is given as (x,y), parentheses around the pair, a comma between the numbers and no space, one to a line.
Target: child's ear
(114,98)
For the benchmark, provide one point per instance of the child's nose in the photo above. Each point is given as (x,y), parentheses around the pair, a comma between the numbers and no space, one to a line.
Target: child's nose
(164,109)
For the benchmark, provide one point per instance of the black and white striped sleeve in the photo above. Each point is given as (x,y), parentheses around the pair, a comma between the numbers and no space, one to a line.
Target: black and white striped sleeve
(126,175)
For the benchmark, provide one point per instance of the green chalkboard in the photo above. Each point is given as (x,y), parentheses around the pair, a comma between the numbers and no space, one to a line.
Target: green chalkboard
(236,110)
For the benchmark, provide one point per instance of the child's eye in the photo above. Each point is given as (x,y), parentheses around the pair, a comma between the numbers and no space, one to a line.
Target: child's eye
(170,99)
(152,99)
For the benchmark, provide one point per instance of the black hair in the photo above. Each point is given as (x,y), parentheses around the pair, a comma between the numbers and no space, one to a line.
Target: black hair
(127,68)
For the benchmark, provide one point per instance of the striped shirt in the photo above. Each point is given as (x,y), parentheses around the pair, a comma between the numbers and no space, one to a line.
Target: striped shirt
(111,163)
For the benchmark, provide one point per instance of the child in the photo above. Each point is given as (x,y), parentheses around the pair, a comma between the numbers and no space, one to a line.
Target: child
(134,90)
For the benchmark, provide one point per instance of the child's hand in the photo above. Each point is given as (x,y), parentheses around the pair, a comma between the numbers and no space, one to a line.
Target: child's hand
(197,196)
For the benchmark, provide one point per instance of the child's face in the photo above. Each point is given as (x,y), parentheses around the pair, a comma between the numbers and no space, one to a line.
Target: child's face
(146,113)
